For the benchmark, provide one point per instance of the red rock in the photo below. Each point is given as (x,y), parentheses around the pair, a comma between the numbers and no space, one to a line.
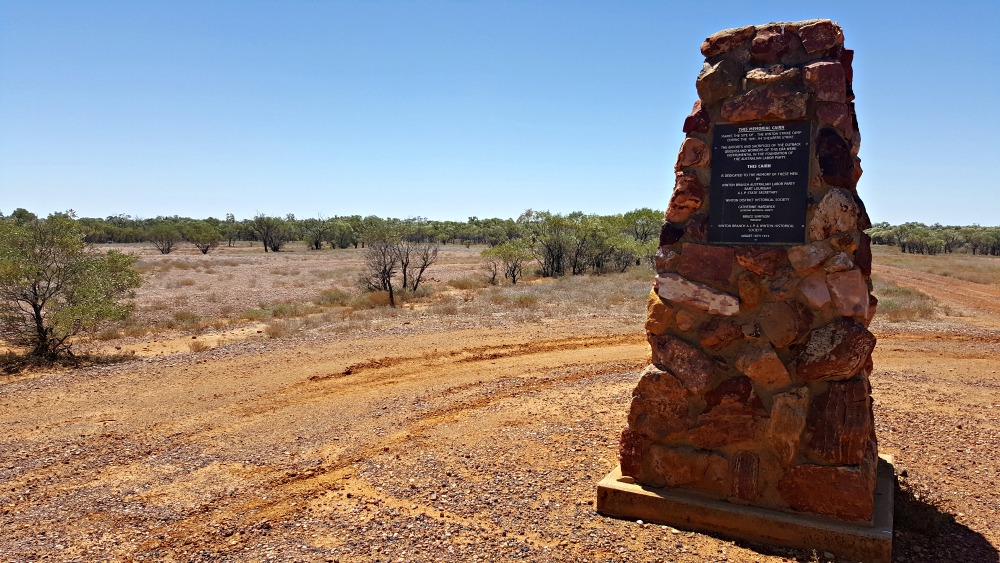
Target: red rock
(687,198)
(782,284)
(837,116)
(708,264)
(769,75)
(846,242)
(696,228)
(658,315)
(849,291)
(836,162)
(698,121)
(821,35)
(738,389)
(771,43)
(699,470)
(670,233)
(808,256)
(665,260)
(719,333)
(836,213)
(659,404)
(726,40)
(847,61)
(857,171)
(763,366)
(728,424)
(750,290)
(631,450)
(783,433)
(814,290)
(839,262)
(746,476)
(827,81)
(760,259)
(844,493)
(717,82)
(685,320)
(784,322)
(774,102)
(676,289)
(840,423)
(693,154)
(686,362)
(837,350)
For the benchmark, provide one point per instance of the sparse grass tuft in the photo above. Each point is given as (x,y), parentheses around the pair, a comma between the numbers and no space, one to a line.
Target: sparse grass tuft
(897,303)
(198,346)
(333,297)
(469,282)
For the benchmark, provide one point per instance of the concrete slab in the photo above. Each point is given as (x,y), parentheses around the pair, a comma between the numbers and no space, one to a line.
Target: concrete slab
(692,512)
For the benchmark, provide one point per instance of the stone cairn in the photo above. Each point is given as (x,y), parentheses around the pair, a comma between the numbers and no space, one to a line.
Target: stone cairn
(758,391)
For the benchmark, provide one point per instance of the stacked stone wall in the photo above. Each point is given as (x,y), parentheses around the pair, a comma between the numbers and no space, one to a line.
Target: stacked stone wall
(758,391)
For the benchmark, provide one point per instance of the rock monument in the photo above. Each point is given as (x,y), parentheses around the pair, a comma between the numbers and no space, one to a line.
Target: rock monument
(757,403)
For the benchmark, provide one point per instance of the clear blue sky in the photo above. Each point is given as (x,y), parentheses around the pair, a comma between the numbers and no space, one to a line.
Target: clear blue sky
(452,109)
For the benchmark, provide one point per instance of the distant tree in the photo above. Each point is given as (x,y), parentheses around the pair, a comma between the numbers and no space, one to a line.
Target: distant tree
(52,287)
(203,236)
(22,216)
(381,266)
(643,224)
(230,229)
(511,257)
(164,237)
(273,232)
(315,231)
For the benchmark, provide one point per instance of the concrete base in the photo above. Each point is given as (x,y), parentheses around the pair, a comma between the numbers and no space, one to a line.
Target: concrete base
(625,499)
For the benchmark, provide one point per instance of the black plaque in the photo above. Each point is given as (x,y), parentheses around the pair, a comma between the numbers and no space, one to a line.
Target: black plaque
(760,179)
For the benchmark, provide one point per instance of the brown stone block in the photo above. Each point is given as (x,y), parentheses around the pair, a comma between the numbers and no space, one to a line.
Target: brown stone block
(750,289)
(698,120)
(783,433)
(684,320)
(777,102)
(782,284)
(846,242)
(846,59)
(670,233)
(677,289)
(718,82)
(665,260)
(837,116)
(814,290)
(696,228)
(726,40)
(840,423)
(839,262)
(836,213)
(658,315)
(844,493)
(762,365)
(746,476)
(820,35)
(687,198)
(827,81)
(760,260)
(836,162)
(708,264)
(808,256)
(659,404)
(837,350)
(771,43)
(719,333)
(688,363)
(849,291)
(769,75)
(632,449)
(728,424)
(693,154)
(736,389)
(784,322)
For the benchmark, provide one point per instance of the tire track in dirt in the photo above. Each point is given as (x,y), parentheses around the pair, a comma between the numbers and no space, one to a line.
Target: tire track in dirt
(339,474)
(975,298)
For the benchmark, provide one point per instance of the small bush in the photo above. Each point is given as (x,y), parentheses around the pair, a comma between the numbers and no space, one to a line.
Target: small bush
(198,346)
(526,301)
(333,297)
(186,318)
(187,282)
(371,300)
(897,303)
(469,282)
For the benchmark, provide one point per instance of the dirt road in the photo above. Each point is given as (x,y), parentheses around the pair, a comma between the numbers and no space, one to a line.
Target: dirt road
(429,445)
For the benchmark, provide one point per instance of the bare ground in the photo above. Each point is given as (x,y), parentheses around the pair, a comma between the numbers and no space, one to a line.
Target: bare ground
(467,435)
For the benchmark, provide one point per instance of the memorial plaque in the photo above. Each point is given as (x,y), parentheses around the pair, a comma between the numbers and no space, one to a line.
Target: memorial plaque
(760,175)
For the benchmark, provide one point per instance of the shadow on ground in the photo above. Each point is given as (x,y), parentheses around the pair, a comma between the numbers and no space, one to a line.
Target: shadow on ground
(924,532)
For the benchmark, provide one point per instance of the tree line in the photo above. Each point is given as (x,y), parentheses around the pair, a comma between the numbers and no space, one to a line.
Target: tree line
(918,238)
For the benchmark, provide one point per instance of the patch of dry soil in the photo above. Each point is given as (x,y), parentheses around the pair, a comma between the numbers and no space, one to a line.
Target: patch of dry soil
(443,445)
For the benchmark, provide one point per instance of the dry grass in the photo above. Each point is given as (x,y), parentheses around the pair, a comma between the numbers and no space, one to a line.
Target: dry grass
(976,269)
(196,346)
(897,303)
